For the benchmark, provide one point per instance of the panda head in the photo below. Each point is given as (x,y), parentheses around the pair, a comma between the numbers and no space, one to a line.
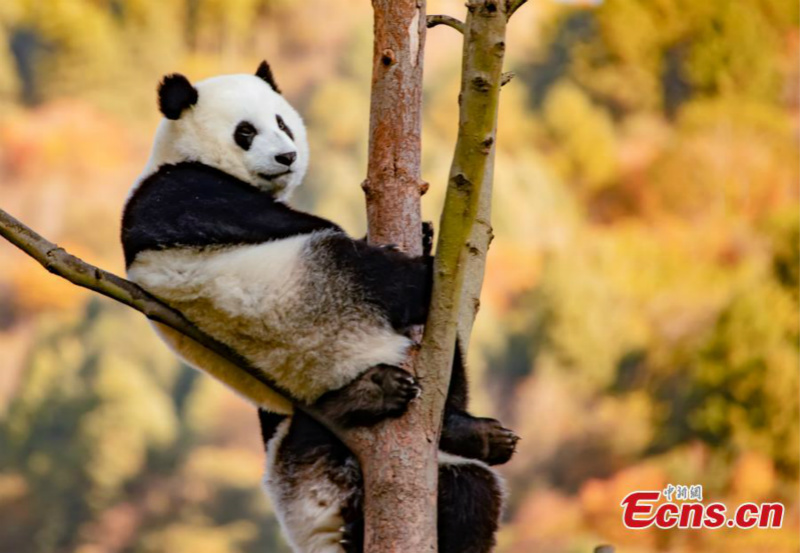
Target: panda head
(240,124)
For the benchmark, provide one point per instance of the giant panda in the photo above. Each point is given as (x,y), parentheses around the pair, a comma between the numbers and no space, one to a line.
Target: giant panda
(206,228)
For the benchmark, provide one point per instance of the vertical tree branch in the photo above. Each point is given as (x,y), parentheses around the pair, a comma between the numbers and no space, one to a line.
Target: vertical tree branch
(398,458)
(480,238)
(462,243)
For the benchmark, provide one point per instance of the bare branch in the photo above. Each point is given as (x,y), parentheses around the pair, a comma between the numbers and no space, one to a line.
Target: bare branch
(468,189)
(250,382)
(506,78)
(513,6)
(480,238)
(434,20)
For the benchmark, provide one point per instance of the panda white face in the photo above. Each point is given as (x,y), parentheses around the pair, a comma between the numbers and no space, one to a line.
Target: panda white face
(239,124)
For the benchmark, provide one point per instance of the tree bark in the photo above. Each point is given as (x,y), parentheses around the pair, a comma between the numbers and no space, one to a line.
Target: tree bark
(393,186)
(398,458)
(480,238)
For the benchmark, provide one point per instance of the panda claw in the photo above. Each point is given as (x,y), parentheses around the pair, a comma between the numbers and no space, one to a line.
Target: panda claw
(390,247)
(350,537)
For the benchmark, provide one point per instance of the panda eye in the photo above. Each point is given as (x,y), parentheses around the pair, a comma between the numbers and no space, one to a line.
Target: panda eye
(244,134)
(282,126)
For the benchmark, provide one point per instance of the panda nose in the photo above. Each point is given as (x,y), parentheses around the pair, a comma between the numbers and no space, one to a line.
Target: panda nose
(286,158)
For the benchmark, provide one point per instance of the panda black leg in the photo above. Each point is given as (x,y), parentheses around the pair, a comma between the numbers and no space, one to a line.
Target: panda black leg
(352,539)
(469,507)
(470,502)
(483,439)
(478,438)
(427,238)
(384,391)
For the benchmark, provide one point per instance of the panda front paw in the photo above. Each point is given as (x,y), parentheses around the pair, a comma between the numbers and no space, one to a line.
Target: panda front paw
(389,247)
(399,388)
(382,392)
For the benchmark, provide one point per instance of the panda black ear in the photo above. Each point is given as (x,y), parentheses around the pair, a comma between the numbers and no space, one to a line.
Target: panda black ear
(264,72)
(175,94)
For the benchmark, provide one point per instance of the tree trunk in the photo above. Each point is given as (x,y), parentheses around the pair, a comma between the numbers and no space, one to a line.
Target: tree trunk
(398,458)
(393,186)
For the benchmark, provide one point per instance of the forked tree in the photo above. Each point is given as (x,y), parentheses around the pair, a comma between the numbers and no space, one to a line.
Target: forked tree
(398,457)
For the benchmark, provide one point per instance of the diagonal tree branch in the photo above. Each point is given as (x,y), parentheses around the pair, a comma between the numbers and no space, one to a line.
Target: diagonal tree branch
(251,382)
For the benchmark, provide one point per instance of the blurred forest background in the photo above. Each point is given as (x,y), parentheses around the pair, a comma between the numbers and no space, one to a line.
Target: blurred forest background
(639,323)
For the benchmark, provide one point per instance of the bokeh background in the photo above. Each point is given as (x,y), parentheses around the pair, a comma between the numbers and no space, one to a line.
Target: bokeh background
(639,322)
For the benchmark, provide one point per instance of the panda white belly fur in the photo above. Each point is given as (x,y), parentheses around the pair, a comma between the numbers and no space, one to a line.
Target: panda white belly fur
(278,305)
(308,504)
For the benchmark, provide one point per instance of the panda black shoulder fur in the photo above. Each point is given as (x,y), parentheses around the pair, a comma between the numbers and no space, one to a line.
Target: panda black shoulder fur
(206,230)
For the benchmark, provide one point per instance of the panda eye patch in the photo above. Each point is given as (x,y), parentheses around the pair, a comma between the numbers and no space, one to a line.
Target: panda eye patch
(284,127)
(244,134)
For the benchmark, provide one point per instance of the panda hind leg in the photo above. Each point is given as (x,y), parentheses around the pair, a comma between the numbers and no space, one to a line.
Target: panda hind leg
(470,505)
(478,438)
